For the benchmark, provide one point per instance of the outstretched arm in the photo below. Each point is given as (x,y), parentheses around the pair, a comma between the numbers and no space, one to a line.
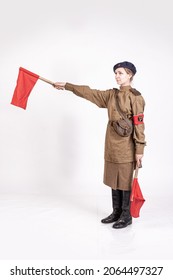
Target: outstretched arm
(98,97)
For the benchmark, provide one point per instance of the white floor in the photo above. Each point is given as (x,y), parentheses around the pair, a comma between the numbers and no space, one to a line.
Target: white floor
(68,227)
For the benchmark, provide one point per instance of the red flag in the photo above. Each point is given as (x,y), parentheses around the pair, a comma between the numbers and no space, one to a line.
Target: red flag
(136,199)
(25,83)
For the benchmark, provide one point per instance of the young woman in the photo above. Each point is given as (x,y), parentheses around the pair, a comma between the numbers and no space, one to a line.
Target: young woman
(122,154)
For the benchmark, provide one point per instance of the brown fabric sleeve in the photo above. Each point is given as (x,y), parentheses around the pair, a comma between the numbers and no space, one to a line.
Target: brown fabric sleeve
(98,97)
(138,106)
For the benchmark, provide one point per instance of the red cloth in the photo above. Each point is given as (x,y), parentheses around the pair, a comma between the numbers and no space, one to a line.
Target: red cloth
(25,82)
(138,119)
(136,199)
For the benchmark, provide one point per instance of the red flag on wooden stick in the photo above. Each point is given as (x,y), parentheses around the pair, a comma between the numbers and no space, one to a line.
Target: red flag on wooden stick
(136,197)
(25,83)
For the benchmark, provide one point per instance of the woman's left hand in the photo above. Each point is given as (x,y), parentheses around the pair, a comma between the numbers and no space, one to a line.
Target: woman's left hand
(139,160)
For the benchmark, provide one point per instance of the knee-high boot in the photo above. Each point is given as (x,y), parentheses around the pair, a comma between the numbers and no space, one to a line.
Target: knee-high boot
(125,218)
(116,204)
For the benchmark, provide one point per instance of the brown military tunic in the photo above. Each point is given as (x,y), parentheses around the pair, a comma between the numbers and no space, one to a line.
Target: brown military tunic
(119,151)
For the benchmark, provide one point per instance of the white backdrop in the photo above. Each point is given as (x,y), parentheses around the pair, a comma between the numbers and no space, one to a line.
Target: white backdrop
(57,144)
(55,147)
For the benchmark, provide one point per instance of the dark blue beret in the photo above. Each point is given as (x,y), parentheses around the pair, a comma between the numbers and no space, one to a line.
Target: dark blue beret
(125,64)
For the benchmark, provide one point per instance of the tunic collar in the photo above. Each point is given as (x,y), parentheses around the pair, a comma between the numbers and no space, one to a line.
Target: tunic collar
(125,88)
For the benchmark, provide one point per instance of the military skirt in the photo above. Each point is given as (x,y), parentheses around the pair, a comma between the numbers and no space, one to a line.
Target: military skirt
(118,175)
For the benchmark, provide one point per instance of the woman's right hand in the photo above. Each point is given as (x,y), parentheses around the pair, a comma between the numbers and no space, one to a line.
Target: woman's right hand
(59,85)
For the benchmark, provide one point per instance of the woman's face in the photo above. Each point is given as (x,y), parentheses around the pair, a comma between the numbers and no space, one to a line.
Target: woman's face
(122,77)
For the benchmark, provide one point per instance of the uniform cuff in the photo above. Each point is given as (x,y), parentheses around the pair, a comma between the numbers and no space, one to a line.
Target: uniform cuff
(140,149)
(69,86)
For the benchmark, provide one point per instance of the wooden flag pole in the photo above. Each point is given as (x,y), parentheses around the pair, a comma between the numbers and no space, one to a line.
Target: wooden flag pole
(136,172)
(47,81)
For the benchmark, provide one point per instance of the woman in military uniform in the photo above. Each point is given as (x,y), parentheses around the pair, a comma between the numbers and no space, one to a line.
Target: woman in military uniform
(122,154)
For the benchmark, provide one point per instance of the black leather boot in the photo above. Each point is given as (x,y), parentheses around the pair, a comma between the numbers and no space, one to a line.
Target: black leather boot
(125,218)
(116,204)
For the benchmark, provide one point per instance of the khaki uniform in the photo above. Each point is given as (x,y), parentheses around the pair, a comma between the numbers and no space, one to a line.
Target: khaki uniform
(118,150)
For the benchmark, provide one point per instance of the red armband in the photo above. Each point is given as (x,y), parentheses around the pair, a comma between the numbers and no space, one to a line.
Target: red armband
(138,119)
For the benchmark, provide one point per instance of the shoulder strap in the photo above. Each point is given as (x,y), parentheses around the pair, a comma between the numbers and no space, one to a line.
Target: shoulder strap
(118,106)
(135,91)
